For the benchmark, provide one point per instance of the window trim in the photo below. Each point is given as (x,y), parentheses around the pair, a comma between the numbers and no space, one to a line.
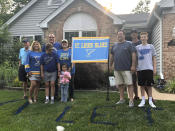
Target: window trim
(80,32)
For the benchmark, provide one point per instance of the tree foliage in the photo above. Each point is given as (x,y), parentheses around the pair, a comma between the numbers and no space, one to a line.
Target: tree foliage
(142,7)
(18,4)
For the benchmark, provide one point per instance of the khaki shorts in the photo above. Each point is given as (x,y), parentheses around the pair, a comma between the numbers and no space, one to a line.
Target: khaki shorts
(123,77)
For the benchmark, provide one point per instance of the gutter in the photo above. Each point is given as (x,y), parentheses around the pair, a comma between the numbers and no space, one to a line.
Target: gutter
(161,39)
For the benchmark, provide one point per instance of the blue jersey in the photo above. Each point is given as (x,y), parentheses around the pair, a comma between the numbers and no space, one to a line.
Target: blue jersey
(56,47)
(64,57)
(33,62)
(49,61)
(23,55)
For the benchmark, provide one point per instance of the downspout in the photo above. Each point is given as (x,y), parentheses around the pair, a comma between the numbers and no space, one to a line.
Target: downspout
(161,39)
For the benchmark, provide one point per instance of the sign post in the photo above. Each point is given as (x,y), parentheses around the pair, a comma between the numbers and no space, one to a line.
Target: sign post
(91,50)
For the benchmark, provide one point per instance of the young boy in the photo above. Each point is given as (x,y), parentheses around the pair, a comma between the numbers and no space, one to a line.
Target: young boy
(146,68)
(49,71)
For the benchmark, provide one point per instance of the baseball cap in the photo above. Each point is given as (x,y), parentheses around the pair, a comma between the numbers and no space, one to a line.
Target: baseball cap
(25,40)
(64,40)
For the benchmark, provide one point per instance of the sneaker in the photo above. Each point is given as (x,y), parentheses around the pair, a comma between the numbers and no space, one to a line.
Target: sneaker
(35,101)
(120,102)
(30,101)
(131,103)
(142,104)
(152,104)
(47,101)
(52,102)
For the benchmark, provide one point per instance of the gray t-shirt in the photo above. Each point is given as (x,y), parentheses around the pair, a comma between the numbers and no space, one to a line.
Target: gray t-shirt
(122,53)
(145,54)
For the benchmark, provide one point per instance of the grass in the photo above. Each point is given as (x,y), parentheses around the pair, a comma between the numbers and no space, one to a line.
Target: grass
(42,117)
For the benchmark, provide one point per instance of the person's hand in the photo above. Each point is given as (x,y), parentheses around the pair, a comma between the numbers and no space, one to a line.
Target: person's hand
(42,75)
(59,73)
(133,69)
(110,68)
(29,74)
(154,72)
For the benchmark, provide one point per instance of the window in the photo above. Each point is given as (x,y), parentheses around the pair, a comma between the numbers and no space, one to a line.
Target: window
(69,35)
(30,38)
(89,33)
(38,38)
(16,39)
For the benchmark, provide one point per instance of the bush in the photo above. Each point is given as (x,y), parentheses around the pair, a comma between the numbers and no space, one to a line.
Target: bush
(170,86)
(7,74)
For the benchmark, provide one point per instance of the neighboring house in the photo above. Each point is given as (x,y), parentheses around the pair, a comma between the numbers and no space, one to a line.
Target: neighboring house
(87,18)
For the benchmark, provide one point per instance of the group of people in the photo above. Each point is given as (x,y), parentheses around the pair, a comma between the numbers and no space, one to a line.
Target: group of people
(134,64)
(52,64)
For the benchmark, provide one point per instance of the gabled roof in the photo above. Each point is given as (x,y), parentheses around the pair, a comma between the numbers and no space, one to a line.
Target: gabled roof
(158,8)
(134,18)
(25,8)
(44,23)
(166,3)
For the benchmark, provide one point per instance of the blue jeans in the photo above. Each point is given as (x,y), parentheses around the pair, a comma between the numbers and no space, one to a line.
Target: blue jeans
(64,92)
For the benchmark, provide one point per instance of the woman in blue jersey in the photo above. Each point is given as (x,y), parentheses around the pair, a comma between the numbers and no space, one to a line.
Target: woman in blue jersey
(33,69)
(64,56)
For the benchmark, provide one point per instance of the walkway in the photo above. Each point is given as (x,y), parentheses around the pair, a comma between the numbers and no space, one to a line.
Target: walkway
(160,96)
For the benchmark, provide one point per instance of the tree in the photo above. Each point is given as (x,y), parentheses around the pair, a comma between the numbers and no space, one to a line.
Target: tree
(142,7)
(5,9)
(18,4)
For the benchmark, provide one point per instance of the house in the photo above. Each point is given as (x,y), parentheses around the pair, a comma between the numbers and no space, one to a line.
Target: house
(87,18)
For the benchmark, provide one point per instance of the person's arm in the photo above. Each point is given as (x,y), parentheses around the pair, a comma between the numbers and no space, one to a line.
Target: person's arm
(111,62)
(19,58)
(42,71)
(154,65)
(19,62)
(59,69)
(133,66)
(27,65)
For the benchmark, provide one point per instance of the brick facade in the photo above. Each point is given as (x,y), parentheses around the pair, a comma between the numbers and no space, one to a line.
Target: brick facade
(168,51)
(105,26)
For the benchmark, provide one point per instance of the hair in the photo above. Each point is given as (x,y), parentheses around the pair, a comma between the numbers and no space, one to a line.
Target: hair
(121,31)
(143,33)
(49,46)
(51,35)
(64,64)
(31,48)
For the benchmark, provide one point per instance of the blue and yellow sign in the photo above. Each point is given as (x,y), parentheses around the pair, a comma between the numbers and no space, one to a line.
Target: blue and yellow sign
(90,49)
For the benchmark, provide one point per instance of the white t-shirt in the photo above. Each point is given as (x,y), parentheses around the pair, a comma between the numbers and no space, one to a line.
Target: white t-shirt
(145,54)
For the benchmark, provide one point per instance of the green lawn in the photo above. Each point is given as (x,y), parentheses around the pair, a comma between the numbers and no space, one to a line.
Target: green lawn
(42,117)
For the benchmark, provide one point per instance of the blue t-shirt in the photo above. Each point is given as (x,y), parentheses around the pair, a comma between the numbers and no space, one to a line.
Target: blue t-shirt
(64,57)
(56,47)
(49,61)
(33,61)
(23,55)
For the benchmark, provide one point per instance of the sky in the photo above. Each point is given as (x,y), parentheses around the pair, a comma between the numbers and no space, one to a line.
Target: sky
(123,6)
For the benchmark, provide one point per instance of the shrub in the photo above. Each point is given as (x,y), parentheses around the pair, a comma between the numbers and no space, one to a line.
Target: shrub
(170,86)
